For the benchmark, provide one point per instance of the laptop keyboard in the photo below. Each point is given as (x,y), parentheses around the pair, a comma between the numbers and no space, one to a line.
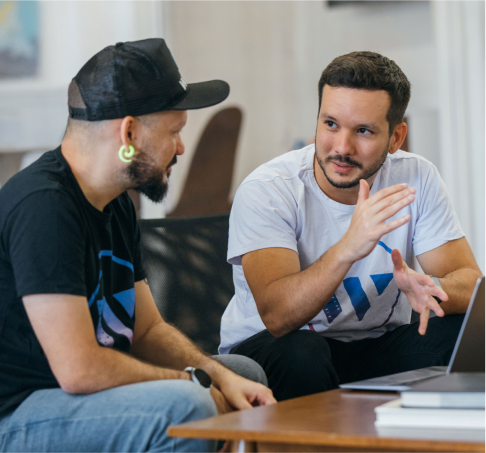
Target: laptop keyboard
(427,374)
(397,382)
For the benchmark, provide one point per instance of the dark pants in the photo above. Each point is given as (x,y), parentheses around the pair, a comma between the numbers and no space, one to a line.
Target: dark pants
(304,362)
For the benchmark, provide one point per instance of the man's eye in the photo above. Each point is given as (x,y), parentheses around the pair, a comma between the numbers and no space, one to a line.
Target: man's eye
(363,130)
(331,123)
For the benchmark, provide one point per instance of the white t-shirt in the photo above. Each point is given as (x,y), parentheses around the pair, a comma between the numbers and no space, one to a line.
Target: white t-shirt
(281,205)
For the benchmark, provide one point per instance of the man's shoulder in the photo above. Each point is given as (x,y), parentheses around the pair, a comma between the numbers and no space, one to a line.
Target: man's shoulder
(404,158)
(290,166)
(408,167)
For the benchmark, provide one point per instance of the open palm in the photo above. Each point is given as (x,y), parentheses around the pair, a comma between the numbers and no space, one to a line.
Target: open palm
(418,289)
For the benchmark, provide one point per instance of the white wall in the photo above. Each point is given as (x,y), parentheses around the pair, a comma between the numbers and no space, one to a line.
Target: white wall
(459,32)
(272,54)
(33,112)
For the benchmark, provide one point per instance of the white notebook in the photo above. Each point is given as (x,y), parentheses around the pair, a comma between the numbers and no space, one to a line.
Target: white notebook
(393,414)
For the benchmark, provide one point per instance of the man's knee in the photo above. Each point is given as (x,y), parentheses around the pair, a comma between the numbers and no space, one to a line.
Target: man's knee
(302,351)
(243,366)
(189,400)
(299,364)
(128,418)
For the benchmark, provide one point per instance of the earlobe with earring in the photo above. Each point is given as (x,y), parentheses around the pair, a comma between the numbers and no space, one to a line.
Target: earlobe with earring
(124,155)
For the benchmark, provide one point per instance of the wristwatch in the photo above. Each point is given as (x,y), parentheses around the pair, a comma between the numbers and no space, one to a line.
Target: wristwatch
(200,377)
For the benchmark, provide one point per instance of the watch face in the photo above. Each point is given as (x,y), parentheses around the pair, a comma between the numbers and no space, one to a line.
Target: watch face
(203,378)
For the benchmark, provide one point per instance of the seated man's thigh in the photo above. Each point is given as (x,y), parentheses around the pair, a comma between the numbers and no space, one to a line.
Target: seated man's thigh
(296,364)
(404,349)
(123,419)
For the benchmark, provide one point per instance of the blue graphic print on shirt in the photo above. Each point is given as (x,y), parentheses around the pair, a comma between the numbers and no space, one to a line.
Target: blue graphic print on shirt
(358,297)
(115,316)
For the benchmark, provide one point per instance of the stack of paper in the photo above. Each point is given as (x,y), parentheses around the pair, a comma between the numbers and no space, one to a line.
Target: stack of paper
(452,401)
(394,414)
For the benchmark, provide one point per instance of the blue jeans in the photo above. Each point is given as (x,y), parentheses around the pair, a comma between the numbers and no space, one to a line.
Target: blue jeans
(131,418)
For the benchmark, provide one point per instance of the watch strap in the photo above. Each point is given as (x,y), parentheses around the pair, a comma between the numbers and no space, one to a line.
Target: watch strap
(200,377)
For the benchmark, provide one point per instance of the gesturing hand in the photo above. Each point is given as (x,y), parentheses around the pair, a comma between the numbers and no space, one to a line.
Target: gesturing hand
(368,221)
(419,290)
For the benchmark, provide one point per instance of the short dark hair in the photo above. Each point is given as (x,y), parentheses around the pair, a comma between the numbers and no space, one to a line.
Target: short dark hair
(370,71)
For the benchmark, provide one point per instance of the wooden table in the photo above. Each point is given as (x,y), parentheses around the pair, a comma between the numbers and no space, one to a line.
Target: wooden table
(338,420)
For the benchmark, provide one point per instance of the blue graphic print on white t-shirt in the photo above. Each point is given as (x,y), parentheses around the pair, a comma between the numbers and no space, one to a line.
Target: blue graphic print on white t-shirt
(358,297)
(281,205)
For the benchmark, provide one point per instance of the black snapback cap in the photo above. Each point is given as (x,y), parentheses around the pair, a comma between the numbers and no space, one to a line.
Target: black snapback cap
(136,78)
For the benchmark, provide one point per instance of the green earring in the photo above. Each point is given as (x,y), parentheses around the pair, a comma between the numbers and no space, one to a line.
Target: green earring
(124,155)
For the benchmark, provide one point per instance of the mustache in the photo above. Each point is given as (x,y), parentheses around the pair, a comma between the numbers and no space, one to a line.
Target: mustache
(343,160)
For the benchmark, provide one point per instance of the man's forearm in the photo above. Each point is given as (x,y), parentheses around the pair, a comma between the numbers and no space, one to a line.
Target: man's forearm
(163,345)
(459,286)
(105,368)
(295,300)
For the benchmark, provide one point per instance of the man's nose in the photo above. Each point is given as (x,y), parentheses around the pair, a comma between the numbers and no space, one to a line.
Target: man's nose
(344,142)
(180,147)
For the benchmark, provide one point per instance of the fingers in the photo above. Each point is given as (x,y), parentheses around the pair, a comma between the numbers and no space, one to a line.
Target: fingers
(241,402)
(397,259)
(264,398)
(387,191)
(433,305)
(402,198)
(364,190)
(260,396)
(440,293)
(393,224)
(425,280)
(391,210)
(392,199)
(424,320)
(437,310)
(378,213)
(222,403)
(429,287)
(424,316)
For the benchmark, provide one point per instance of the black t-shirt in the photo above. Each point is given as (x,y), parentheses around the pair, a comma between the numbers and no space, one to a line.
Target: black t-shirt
(52,240)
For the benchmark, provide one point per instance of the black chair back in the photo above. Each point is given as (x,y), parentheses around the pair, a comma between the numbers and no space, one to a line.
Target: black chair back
(189,277)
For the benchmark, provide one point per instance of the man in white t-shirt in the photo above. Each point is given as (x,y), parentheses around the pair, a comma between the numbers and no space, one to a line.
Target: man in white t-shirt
(322,242)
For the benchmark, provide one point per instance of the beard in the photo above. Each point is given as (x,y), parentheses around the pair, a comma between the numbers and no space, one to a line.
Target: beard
(365,174)
(145,178)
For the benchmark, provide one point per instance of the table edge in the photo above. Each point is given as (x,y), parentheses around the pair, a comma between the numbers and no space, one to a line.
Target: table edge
(337,440)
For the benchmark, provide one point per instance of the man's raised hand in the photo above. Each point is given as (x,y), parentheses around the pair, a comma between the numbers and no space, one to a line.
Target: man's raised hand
(368,221)
(419,290)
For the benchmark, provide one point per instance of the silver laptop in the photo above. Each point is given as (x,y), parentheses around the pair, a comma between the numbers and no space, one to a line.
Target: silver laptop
(468,354)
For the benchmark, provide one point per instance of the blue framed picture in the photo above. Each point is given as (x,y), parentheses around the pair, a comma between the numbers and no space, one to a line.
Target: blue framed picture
(19,39)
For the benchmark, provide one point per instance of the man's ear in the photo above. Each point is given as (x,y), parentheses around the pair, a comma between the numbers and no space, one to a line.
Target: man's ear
(397,138)
(128,130)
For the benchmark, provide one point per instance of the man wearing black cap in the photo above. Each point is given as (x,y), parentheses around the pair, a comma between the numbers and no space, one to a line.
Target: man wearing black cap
(76,311)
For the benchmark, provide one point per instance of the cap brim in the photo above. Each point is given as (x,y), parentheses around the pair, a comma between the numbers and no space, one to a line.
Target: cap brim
(203,94)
